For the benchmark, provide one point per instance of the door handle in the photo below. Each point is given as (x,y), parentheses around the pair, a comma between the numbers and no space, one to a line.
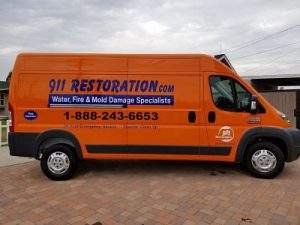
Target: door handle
(211,117)
(192,117)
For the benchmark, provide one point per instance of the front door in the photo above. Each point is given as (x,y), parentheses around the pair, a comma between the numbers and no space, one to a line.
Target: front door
(227,106)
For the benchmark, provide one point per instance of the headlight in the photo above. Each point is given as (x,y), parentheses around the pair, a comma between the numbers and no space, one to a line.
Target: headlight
(283,116)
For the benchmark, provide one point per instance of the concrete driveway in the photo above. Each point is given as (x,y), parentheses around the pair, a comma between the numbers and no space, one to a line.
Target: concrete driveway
(7,160)
(149,192)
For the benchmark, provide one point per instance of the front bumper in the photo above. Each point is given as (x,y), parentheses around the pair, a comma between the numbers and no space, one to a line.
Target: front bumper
(293,143)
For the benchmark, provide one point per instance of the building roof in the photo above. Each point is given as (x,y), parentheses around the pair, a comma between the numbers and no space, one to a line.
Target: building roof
(4,86)
(223,58)
(275,80)
(270,76)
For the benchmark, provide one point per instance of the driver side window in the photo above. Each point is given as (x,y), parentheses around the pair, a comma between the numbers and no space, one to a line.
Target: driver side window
(228,94)
(222,94)
(243,98)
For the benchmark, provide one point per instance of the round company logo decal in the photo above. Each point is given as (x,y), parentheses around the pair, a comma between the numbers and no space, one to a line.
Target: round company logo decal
(226,134)
(30,115)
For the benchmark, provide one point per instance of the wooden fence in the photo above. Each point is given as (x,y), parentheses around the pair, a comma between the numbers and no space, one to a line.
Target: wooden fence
(4,132)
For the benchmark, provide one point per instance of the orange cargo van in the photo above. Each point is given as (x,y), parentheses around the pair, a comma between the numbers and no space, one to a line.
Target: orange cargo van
(68,107)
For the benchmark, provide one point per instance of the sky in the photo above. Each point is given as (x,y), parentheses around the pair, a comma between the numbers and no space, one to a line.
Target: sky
(260,37)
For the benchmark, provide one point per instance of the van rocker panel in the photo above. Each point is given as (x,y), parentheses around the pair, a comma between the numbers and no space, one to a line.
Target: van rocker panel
(157,149)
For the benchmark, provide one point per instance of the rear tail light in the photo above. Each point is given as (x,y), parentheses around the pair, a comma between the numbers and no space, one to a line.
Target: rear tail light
(11,119)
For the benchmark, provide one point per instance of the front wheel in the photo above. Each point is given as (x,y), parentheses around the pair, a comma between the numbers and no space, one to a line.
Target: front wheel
(59,162)
(264,160)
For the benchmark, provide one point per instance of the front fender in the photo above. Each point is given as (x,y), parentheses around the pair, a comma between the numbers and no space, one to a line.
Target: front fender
(289,136)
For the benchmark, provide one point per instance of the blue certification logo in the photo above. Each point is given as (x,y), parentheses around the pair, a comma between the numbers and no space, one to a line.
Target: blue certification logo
(30,115)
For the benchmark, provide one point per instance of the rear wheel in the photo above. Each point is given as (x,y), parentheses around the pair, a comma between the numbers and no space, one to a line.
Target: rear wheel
(59,162)
(264,160)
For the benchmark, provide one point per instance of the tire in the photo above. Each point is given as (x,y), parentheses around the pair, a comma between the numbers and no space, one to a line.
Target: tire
(264,160)
(59,162)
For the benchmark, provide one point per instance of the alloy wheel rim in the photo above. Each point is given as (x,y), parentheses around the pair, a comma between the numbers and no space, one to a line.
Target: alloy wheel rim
(264,160)
(58,163)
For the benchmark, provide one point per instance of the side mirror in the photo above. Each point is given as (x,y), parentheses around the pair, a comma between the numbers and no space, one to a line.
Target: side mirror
(253,104)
